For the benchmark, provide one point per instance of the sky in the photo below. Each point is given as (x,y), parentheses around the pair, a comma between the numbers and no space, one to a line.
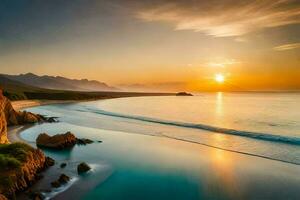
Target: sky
(159,44)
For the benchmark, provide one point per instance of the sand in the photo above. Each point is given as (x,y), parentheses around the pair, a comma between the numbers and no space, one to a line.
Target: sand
(22,104)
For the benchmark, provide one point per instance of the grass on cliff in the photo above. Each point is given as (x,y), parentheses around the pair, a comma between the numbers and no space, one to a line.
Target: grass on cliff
(13,155)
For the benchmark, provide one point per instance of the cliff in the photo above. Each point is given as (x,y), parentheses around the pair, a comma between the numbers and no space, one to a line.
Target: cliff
(10,117)
(19,163)
(3,124)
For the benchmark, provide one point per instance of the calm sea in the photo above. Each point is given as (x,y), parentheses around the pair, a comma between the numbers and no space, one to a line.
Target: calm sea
(164,147)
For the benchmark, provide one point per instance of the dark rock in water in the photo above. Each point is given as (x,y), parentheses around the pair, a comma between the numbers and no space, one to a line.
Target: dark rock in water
(63,165)
(83,167)
(49,162)
(99,141)
(51,119)
(84,141)
(36,195)
(183,94)
(63,179)
(59,141)
(55,184)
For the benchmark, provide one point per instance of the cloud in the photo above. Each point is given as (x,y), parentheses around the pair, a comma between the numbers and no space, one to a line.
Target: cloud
(221,18)
(287,47)
(241,39)
(222,62)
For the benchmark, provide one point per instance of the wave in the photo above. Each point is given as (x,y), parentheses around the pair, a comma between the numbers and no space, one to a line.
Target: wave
(234,151)
(248,134)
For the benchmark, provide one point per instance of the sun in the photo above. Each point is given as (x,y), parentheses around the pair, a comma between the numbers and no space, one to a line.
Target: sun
(219,78)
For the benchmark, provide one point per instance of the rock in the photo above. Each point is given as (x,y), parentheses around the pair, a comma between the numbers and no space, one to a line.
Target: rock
(99,141)
(63,179)
(2,197)
(63,165)
(30,118)
(32,162)
(3,120)
(36,195)
(49,162)
(183,94)
(39,196)
(83,167)
(59,141)
(13,117)
(84,141)
(55,184)
(51,119)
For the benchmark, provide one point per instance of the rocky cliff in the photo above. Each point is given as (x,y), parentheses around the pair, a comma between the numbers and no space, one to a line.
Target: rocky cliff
(9,116)
(3,124)
(20,167)
(19,163)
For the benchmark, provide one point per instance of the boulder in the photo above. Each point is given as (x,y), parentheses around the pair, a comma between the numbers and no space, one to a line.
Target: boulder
(83,167)
(183,94)
(51,119)
(36,195)
(49,162)
(59,141)
(55,184)
(63,179)
(30,118)
(84,141)
(63,165)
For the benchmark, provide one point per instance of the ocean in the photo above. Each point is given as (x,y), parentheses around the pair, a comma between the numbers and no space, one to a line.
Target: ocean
(207,146)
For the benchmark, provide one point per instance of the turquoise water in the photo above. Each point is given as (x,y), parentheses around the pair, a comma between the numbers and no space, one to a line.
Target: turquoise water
(157,148)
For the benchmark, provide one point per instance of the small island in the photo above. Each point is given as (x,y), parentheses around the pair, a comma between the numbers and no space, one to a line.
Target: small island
(183,94)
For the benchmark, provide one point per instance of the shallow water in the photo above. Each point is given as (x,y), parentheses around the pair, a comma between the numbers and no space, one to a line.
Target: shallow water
(138,160)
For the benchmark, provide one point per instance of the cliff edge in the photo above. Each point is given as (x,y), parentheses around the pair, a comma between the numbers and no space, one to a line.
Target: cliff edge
(3,124)
(19,162)
(10,117)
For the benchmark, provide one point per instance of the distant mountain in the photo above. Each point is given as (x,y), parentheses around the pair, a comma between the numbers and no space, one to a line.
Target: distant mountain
(16,89)
(12,85)
(60,83)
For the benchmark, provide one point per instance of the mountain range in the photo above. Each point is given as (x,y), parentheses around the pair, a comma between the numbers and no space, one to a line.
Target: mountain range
(59,82)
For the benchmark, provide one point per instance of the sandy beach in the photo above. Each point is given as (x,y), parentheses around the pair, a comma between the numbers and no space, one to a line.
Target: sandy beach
(22,104)
(14,131)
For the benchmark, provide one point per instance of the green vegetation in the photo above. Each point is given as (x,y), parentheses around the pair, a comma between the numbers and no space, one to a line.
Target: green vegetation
(8,162)
(12,155)
(11,158)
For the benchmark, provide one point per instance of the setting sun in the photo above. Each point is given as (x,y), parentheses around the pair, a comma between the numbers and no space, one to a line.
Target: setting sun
(219,78)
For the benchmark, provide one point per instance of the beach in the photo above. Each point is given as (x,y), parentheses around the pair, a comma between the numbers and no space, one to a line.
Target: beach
(136,161)
(150,100)
(22,104)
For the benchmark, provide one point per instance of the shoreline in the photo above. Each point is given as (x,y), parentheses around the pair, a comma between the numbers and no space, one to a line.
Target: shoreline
(13,135)
(22,104)
(13,132)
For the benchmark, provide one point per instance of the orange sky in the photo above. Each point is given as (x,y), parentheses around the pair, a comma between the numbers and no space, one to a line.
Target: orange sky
(163,45)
